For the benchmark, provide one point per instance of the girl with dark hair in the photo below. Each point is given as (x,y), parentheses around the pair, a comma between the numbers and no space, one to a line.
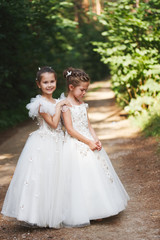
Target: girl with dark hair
(35,193)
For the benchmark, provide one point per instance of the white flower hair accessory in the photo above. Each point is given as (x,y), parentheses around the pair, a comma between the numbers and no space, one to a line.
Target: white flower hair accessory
(39,68)
(68,73)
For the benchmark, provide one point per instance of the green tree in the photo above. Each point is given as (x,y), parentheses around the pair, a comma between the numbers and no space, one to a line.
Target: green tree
(33,33)
(36,33)
(131,47)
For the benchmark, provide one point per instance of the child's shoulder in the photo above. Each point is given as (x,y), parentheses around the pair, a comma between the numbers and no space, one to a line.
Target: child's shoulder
(84,104)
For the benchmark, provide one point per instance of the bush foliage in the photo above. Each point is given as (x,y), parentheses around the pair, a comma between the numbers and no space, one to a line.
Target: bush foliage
(131,46)
(37,33)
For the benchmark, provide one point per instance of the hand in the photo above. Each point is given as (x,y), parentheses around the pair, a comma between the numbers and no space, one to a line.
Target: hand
(67,102)
(92,145)
(99,145)
(64,102)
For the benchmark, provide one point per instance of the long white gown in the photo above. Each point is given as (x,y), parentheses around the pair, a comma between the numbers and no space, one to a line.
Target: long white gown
(35,193)
(92,188)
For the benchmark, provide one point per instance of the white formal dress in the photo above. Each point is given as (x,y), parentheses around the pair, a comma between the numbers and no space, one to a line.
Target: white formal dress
(35,193)
(92,189)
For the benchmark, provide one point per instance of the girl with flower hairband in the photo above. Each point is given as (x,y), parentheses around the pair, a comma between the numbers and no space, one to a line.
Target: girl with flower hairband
(92,189)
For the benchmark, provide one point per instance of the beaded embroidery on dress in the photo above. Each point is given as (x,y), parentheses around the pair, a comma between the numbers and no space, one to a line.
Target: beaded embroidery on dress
(34,194)
(92,187)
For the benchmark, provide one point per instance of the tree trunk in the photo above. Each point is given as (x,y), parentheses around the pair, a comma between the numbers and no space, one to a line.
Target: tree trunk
(137,3)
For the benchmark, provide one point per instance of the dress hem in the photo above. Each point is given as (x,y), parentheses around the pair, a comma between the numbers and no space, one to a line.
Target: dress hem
(61,224)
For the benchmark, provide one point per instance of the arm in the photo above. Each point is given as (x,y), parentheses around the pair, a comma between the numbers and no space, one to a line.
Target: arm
(53,121)
(71,131)
(99,145)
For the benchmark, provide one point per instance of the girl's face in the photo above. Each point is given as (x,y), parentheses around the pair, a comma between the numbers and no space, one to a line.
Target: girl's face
(79,91)
(47,83)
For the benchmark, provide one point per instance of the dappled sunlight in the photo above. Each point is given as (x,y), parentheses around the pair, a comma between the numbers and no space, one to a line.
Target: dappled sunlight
(129,157)
(108,136)
(7,167)
(107,115)
(99,91)
(99,95)
(6,172)
(113,130)
(101,109)
(97,116)
(117,41)
(6,156)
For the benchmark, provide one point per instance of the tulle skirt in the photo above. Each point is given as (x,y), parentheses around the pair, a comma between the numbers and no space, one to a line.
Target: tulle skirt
(92,189)
(35,192)
(57,185)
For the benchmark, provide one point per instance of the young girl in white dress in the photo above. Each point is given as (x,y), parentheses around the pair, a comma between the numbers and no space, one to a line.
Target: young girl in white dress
(92,188)
(35,192)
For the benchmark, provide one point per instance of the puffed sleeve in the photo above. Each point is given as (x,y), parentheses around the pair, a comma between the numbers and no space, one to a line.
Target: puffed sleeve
(46,107)
(64,107)
(39,104)
(33,106)
(62,96)
(86,105)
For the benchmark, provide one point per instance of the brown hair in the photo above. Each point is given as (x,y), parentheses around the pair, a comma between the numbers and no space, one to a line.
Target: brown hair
(75,76)
(45,69)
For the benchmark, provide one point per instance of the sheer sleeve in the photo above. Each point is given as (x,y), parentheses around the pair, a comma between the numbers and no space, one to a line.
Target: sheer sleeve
(33,106)
(62,96)
(86,105)
(38,104)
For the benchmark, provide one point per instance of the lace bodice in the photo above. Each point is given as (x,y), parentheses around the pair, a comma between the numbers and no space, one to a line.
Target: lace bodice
(80,123)
(80,119)
(41,104)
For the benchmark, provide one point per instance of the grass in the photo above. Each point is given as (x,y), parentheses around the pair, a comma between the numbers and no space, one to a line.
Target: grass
(149,121)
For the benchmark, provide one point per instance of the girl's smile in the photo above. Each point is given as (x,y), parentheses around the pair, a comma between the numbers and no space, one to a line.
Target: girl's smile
(47,83)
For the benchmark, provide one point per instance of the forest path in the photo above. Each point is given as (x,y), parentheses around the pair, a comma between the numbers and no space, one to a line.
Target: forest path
(134,158)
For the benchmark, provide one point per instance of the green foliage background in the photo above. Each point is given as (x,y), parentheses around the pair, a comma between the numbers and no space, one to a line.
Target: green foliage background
(131,46)
(123,41)
(36,33)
